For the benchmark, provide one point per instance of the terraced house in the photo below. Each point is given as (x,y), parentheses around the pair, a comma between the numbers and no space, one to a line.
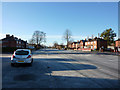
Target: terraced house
(117,43)
(77,45)
(90,44)
(81,44)
(74,45)
(96,43)
(11,41)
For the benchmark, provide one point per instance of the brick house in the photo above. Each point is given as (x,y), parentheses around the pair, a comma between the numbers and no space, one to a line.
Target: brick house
(74,45)
(11,41)
(81,44)
(117,43)
(30,46)
(96,43)
(77,45)
(90,44)
(70,45)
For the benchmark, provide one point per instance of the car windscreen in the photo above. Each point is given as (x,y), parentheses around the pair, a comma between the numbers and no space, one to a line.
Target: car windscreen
(21,52)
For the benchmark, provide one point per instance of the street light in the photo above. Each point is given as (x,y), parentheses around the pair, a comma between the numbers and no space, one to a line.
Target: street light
(44,39)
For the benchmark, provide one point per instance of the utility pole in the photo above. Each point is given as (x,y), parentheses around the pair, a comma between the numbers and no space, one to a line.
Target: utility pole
(44,39)
(98,35)
(92,36)
(99,41)
(87,37)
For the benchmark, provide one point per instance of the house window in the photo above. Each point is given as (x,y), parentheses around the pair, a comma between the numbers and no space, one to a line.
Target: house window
(94,42)
(88,42)
(76,45)
(17,42)
(91,42)
(94,47)
(73,46)
(91,47)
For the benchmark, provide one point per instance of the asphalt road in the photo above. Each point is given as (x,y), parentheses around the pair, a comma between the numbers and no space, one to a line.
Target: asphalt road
(62,69)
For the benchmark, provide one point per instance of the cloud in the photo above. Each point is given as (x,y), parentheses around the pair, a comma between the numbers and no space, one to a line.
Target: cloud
(2,35)
(54,36)
(115,38)
(79,37)
(61,36)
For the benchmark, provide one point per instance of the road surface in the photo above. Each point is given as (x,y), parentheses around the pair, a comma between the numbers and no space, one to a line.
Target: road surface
(62,69)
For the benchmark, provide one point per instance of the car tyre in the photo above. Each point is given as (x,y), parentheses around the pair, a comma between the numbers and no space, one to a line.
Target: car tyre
(31,62)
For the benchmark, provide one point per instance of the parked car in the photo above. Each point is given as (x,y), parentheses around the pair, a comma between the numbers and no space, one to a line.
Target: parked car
(21,56)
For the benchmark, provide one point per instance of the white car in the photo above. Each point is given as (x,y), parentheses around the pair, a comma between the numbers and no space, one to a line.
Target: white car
(21,56)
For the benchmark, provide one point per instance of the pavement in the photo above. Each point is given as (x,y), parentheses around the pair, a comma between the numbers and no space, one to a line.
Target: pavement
(54,68)
(99,53)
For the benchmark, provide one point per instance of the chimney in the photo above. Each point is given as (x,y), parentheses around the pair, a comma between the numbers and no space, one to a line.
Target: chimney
(12,35)
(7,35)
(95,38)
(92,36)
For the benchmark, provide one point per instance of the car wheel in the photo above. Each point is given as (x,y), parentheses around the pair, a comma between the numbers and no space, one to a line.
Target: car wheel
(12,64)
(30,64)
(32,60)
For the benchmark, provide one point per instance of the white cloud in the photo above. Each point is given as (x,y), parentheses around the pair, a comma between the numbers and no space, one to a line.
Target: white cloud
(60,36)
(79,37)
(26,37)
(115,38)
(59,39)
(2,35)
(54,36)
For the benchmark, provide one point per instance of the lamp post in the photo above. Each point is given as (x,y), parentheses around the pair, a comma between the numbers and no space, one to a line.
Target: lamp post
(44,39)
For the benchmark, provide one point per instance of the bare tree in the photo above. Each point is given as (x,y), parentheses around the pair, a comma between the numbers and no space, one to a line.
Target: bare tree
(67,36)
(55,44)
(38,37)
(32,41)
